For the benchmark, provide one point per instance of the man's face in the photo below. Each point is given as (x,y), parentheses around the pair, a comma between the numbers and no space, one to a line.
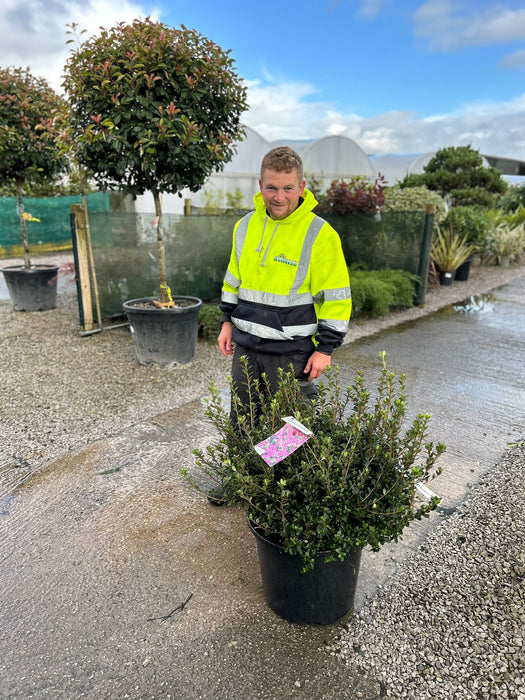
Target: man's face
(281,192)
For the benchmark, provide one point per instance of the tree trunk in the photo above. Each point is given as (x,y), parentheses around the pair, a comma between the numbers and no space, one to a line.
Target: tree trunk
(164,297)
(23,229)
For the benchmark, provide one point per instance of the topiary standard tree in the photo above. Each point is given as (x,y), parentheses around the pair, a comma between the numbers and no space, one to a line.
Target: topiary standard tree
(459,172)
(30,127)
(155,109)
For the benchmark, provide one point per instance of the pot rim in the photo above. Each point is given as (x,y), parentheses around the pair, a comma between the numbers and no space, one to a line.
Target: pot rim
(130,307)
(323,554)
(32,270)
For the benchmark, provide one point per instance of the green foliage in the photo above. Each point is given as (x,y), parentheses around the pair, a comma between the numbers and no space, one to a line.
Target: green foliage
(414,199)
(216,203)
(29,131)
(472,222)
(352,484)
(355,194)
(210,321)
(376,292)
(315,184)
(458,172)
(56,187)
(516,216)
(506,240)
(154,108)
(31,116)
(513,198)
(449,249)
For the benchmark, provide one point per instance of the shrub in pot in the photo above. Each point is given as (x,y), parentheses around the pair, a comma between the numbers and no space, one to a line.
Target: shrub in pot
(449,251)
(506,241)
(160,129)
(354,483)
(30,154)
(473,222)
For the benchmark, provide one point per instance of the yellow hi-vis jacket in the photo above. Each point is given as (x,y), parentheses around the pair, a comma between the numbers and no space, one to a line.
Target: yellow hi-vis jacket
(286,289)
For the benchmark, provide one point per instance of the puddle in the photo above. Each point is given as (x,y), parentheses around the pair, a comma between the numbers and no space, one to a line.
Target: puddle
(464,365)
(4,504)
(482,303)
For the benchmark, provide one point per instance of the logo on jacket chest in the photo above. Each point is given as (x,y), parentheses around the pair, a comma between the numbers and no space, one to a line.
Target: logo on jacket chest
(284,260)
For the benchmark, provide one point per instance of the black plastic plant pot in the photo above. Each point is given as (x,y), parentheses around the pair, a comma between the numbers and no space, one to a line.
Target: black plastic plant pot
(164,337)
(33,289)
(462,272)
(446,277)
(320,596)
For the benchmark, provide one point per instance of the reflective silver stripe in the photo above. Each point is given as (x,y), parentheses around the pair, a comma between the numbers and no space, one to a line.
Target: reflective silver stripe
(341,294)
(229,297)
(304,261)
(334,325)
(303,331)
(283,300)
(267,333)
(240,233)
(231,279)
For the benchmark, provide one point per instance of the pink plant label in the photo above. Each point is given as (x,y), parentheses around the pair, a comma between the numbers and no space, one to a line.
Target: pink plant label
(286,440)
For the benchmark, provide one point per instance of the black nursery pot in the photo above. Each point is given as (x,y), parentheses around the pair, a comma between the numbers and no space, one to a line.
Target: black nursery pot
(462,272)
(164,337)
(446,278)
(33,289)
(320,596)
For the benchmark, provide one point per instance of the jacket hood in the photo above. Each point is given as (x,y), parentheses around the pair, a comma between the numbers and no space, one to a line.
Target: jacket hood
(309,203)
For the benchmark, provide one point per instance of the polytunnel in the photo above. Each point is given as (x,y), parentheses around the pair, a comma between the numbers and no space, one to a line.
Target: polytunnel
(327,159)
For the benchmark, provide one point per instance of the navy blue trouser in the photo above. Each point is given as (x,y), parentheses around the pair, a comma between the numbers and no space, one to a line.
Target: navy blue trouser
(259,363)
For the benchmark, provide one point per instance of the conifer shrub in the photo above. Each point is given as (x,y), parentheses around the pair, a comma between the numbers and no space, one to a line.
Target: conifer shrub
(376,292)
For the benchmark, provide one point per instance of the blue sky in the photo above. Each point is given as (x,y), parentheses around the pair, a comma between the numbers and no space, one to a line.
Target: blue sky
(397,76)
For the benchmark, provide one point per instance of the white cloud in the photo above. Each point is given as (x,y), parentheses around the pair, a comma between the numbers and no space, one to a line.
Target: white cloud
(514,60)
(450,26)
(41,25)
(277,110)
(367,8)
(281,111)
(371,8)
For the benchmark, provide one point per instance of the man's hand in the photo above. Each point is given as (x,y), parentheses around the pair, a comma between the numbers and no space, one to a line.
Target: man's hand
(316,365)
(225,339)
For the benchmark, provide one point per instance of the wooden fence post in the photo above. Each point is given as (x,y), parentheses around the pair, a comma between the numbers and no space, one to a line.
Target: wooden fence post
(82,252)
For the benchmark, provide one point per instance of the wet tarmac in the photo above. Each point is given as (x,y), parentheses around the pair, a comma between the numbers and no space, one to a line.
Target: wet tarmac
(96,549)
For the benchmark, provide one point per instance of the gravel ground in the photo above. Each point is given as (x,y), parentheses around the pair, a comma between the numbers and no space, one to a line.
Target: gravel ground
(449,624)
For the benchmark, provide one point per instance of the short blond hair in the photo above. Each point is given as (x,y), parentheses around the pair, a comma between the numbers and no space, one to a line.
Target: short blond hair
(282,159)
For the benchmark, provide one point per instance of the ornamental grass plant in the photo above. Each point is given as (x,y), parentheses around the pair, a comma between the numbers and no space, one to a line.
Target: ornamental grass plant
(449,249)
(353,484)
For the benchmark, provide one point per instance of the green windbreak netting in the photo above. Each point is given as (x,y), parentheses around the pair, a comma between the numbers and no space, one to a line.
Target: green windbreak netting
(53,230)
(125,256)
(392,240)
(198,250)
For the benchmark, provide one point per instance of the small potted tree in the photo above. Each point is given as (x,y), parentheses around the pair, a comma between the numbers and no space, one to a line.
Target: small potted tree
(30,153)
(353,483)
(155,109)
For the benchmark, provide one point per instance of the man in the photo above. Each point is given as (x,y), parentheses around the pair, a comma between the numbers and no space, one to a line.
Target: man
(286,295)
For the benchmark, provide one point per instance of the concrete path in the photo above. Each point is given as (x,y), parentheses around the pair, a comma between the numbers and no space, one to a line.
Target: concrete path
(97,548)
